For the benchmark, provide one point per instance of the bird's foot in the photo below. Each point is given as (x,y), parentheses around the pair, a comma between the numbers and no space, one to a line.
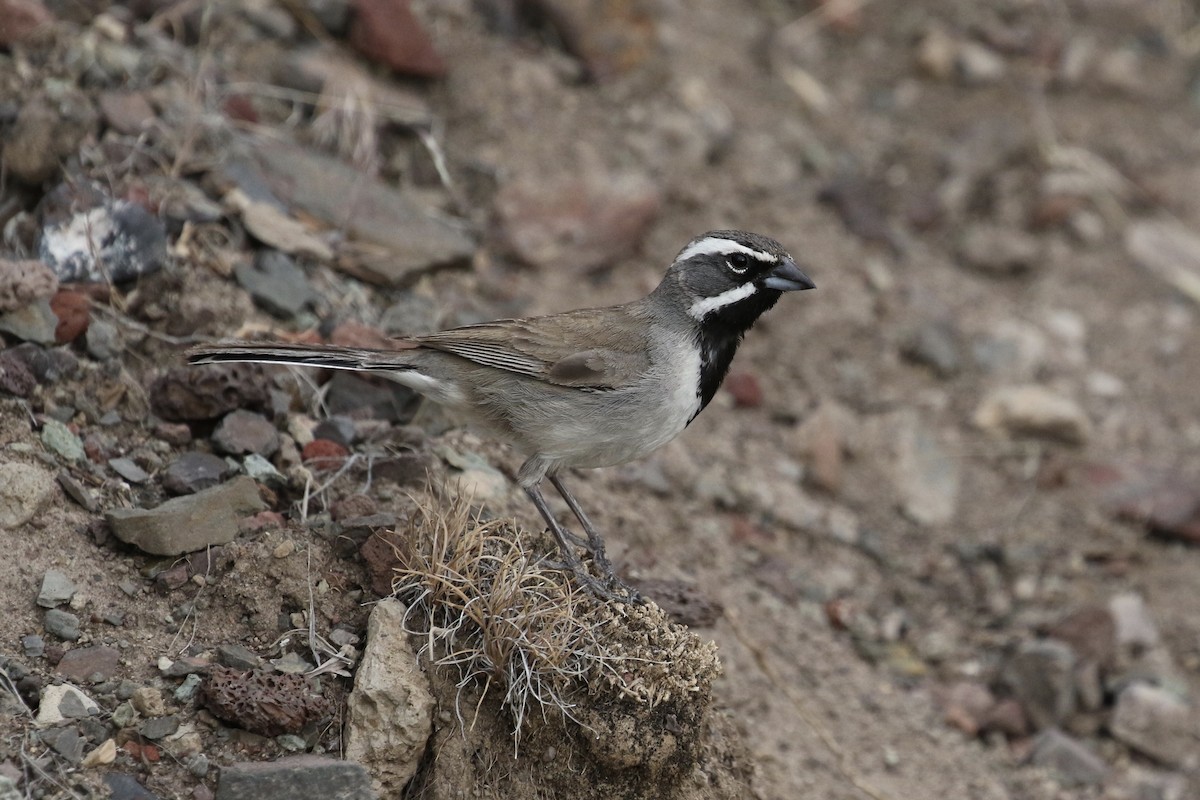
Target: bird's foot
(608,586)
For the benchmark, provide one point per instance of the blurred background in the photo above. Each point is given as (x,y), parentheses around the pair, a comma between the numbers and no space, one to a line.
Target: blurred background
(943,519)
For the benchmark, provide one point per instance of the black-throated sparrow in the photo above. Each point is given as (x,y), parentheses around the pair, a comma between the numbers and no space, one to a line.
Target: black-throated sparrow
(587,388)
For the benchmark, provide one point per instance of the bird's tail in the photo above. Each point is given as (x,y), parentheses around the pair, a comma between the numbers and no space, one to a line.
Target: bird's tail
(302,355)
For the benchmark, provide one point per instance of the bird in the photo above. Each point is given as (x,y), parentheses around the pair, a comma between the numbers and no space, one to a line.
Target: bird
(590,388)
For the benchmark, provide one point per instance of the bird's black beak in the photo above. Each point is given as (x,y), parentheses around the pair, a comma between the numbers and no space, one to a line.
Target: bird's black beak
(787,277)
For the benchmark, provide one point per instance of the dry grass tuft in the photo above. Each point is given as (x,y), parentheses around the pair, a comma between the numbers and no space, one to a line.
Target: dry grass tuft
(484,603)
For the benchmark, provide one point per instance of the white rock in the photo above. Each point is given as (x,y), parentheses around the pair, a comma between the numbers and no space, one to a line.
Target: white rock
(1032,410)
(52,699)
(389,717)
(1155,722)
(1131,618)
(24,490)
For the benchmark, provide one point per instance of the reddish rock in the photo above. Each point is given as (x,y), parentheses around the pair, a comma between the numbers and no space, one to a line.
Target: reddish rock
(74,313)
(379,553)
(86,663)
(126,112)
(1167,502)
(20,19)
(746,390)
(241,108)
(610,37)
(965,705)
(324,454)
(262,702)
(388,32)
(263,520)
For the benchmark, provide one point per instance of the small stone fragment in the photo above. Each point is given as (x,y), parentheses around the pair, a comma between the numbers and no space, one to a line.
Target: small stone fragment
(92,664)
(159,727)
(104,753)
(22,21)
(62,624)
(33,645)
(1032,410)
(126,112)
(34,322)
(387,31)
(126,787)
(53,700)
(1158,724)
(194,471)
(1041,677)
(239,657)
(202,393)
(276,284)
(191,522)
(148,701)
(56,589)
(128,469)
(103,340)
(22,282)
(90,237)
(295,776)
(1074,762)
(48,130)
(998,250)
(937,346)
(15,378)
(59,439)
(1169,251)
(241,432)
(73,311)
(389,715)
(926,474)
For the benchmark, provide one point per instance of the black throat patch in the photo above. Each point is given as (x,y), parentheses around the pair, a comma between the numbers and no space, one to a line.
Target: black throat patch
(718,337)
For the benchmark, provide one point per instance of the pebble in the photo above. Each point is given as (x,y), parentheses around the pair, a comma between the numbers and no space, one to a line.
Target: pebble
(89,237)
(123,715)
(33,645)
(263,471)
(284,549)
(103,340)
(998,250)
(63,701)
(276,284)
(295,776)
(194,471)
(1168,250)
(73,310)
(148,701)
(59,439)
(104,753)
(48,130)
(35,322)
(186,691)
(15,378)
(1158,724)
(23,21)
(978,65)
(94,664)
(389,33)
(1032,410)
(126,787)
(56,589)
(291,664)
(1074,762)
(241,432)
(159,727)
(128,469)
(23,282)
(1040,676)
(189,523)
(937,345)
(62,624)
(197,764)
(927,474)
(1134,627)
(238,657)
(66,742)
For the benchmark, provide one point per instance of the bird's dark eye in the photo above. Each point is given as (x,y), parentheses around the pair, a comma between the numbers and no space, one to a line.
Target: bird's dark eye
(739,262)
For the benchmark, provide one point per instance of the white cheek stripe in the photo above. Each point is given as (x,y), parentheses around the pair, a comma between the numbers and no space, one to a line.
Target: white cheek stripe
(715,245)
(705,306)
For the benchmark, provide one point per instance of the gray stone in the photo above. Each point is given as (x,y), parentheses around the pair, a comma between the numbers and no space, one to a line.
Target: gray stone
(937,346)
(66,742)
(389,712)
(59,439)
(276,284)
(56,589)
(24,491)
(263,471)
(410,238)
(998,250)
(32,323)
(9,790)
(927,475)
(238,657)
(97,239)
(103,340)
(128,469)
(1158,724)
(126,787)
(1168,250)
(186,691)
(194,471)
(197,764)
(1031,410)
(94,663)
(1135,629)
(62,624)
(60,702)
(241,432)
(1041,678)
(293,777)
(1075,764)
(159,727)
(33,645)
(188,523)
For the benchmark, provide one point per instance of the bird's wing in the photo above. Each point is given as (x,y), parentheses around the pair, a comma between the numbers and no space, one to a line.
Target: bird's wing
(592,348)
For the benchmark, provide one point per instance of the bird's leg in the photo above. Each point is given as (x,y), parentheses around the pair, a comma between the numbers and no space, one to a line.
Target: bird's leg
(586,579)
(595,543)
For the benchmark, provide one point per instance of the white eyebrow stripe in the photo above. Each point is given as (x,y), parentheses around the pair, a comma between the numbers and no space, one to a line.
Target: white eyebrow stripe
(717,245)
(705,306)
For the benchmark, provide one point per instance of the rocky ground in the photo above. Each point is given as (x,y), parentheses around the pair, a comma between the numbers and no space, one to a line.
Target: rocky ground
(942,523)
